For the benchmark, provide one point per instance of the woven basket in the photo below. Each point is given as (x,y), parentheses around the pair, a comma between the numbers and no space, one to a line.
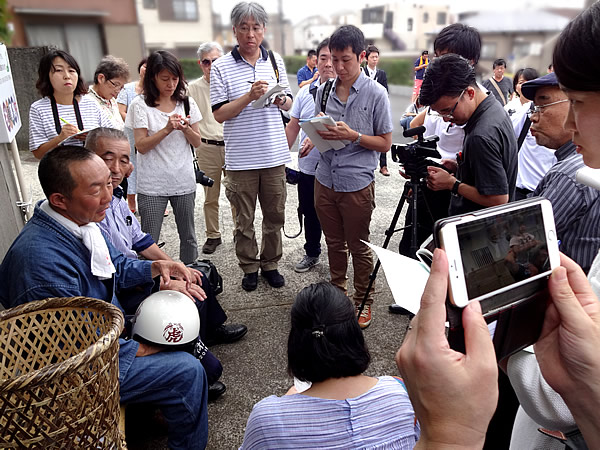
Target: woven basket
(59,374)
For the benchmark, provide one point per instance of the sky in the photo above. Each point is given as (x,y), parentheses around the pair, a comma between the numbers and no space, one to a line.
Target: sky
(296,10)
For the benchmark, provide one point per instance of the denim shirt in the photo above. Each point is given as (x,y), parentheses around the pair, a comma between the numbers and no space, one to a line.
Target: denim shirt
(367,111)
(47,260)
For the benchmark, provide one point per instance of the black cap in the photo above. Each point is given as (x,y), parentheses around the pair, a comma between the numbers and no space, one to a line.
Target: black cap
(530,88)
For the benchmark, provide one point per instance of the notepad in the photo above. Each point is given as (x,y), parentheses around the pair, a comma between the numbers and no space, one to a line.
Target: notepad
(310,127)
(264,99)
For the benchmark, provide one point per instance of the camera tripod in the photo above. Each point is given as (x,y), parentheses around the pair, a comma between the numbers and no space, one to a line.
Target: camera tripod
(415,184)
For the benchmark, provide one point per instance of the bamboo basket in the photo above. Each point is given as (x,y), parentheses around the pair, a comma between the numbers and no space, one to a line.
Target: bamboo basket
(59,374)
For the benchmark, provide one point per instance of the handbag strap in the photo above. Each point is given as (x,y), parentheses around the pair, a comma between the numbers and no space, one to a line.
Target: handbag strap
(274,64)
(326,92)
(57,119)
(498,90)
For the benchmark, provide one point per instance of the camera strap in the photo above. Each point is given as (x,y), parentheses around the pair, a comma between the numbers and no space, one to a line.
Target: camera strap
(57,119)
(186,109)
(326,92)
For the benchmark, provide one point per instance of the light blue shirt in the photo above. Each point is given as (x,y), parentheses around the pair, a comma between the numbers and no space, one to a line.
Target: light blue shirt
(304,108)
(367,111)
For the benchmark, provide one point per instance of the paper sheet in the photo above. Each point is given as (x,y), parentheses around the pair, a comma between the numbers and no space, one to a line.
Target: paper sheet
(262,101)
(406,277)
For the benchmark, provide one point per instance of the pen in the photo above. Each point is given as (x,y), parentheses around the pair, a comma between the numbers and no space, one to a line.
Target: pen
(251,82)
(64,121)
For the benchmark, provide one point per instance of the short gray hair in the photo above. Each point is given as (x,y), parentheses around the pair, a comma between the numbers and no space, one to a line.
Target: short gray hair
(208,47)
(91,142)
(244,10)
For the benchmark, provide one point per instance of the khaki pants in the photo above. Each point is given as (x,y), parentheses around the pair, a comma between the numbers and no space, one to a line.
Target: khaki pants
(211,159)
(242,188)
(345,218)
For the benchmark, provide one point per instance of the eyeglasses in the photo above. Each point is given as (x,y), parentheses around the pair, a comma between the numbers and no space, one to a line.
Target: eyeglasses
(449,115)
(208,62)
(539,109)
(115,85)
(245,29)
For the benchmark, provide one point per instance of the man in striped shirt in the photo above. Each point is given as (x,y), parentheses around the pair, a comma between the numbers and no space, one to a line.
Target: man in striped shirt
(576,206)
(256,149)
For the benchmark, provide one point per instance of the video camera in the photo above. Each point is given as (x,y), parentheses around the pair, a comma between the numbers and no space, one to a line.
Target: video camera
(413,156)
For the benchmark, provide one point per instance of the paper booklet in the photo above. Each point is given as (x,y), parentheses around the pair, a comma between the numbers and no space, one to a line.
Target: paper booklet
(310,127)
(264,99)
(79,136)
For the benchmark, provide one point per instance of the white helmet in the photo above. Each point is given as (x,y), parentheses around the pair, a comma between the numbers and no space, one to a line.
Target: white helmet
(167,318)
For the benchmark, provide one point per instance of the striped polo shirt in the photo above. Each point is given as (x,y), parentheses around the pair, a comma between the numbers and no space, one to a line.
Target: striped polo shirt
(41,121)
(255,138)
(576,207)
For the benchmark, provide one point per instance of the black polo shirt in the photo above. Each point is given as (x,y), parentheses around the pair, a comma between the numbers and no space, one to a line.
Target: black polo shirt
(488,159)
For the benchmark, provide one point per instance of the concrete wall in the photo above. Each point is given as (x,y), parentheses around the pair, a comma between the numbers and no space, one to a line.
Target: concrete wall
(24,65)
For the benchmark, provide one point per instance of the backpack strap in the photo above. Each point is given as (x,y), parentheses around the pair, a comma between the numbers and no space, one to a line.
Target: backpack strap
(524,131)
(326,92)
(274,64)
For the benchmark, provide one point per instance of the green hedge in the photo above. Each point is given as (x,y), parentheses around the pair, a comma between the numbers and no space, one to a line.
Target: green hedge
(399,71)
(191,69)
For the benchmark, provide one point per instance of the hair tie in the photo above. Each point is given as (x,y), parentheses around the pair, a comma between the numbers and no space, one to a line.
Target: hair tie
(318,331)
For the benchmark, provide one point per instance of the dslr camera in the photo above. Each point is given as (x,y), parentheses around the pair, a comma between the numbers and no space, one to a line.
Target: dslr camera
(202,179)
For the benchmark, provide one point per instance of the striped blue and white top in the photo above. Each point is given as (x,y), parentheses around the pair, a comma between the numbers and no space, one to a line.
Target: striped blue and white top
(255,138)
(382,418)
(41,122)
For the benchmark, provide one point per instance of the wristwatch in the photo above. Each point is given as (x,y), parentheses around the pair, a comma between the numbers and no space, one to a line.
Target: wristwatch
(357,140)
(455,187)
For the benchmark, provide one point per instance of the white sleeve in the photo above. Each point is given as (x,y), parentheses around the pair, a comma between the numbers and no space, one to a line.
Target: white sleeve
(542,403)
(139,114)
(37,135)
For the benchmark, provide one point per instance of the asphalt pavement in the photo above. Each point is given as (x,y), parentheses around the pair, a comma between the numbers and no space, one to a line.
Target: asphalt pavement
(255,367)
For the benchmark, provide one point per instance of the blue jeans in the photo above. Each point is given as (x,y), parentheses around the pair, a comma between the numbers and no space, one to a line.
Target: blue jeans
(312,226)
(176,382)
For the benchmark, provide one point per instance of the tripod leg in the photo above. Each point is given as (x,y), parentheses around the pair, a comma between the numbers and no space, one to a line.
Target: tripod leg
(388,236)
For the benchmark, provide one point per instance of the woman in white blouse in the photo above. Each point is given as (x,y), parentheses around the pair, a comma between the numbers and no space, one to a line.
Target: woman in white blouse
(163,134)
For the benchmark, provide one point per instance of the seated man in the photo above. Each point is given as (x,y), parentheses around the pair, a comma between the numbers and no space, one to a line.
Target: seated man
(124,232)
(61,253)
(576,206)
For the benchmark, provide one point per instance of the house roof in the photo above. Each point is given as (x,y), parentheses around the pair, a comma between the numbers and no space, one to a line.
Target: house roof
(516,21)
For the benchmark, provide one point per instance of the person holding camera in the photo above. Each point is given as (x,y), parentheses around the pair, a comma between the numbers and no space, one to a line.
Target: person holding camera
(163,133)
(487,165)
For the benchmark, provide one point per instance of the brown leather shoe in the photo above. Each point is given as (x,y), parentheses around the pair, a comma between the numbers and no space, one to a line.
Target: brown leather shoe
(211,245)
(384,171)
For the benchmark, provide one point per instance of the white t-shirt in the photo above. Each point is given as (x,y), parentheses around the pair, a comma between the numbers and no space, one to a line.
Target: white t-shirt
(451,135)
(167,169)
(41,121)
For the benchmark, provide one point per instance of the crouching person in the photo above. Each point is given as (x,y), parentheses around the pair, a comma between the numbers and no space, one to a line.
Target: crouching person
(62,253)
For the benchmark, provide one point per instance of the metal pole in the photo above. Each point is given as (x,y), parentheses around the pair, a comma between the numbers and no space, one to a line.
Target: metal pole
(25,203)
(281,29)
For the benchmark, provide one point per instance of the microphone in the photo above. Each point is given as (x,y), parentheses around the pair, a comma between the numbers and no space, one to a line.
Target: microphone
(414,131)
(588,176)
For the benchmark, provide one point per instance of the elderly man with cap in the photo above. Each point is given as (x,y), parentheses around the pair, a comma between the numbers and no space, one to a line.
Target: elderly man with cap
(576,209)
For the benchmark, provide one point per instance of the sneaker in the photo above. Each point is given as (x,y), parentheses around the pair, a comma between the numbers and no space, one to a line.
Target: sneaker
(306,263)
(273,277)
(365,317)
(250,281)
(211,245)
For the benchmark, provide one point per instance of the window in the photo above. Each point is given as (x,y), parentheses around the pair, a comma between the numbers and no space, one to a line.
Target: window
(409,24)
(488,50)
(373,15)
(441,18)
(425,17)
(522,49)
(149,4)
(178,10)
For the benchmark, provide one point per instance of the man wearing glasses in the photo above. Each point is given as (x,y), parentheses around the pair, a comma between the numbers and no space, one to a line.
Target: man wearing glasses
(256,149)
(487,165)
(211,152)
(576,206)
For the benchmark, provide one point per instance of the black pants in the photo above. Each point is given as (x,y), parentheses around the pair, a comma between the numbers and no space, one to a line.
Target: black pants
(312,226)
(438,202)
(383,159)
